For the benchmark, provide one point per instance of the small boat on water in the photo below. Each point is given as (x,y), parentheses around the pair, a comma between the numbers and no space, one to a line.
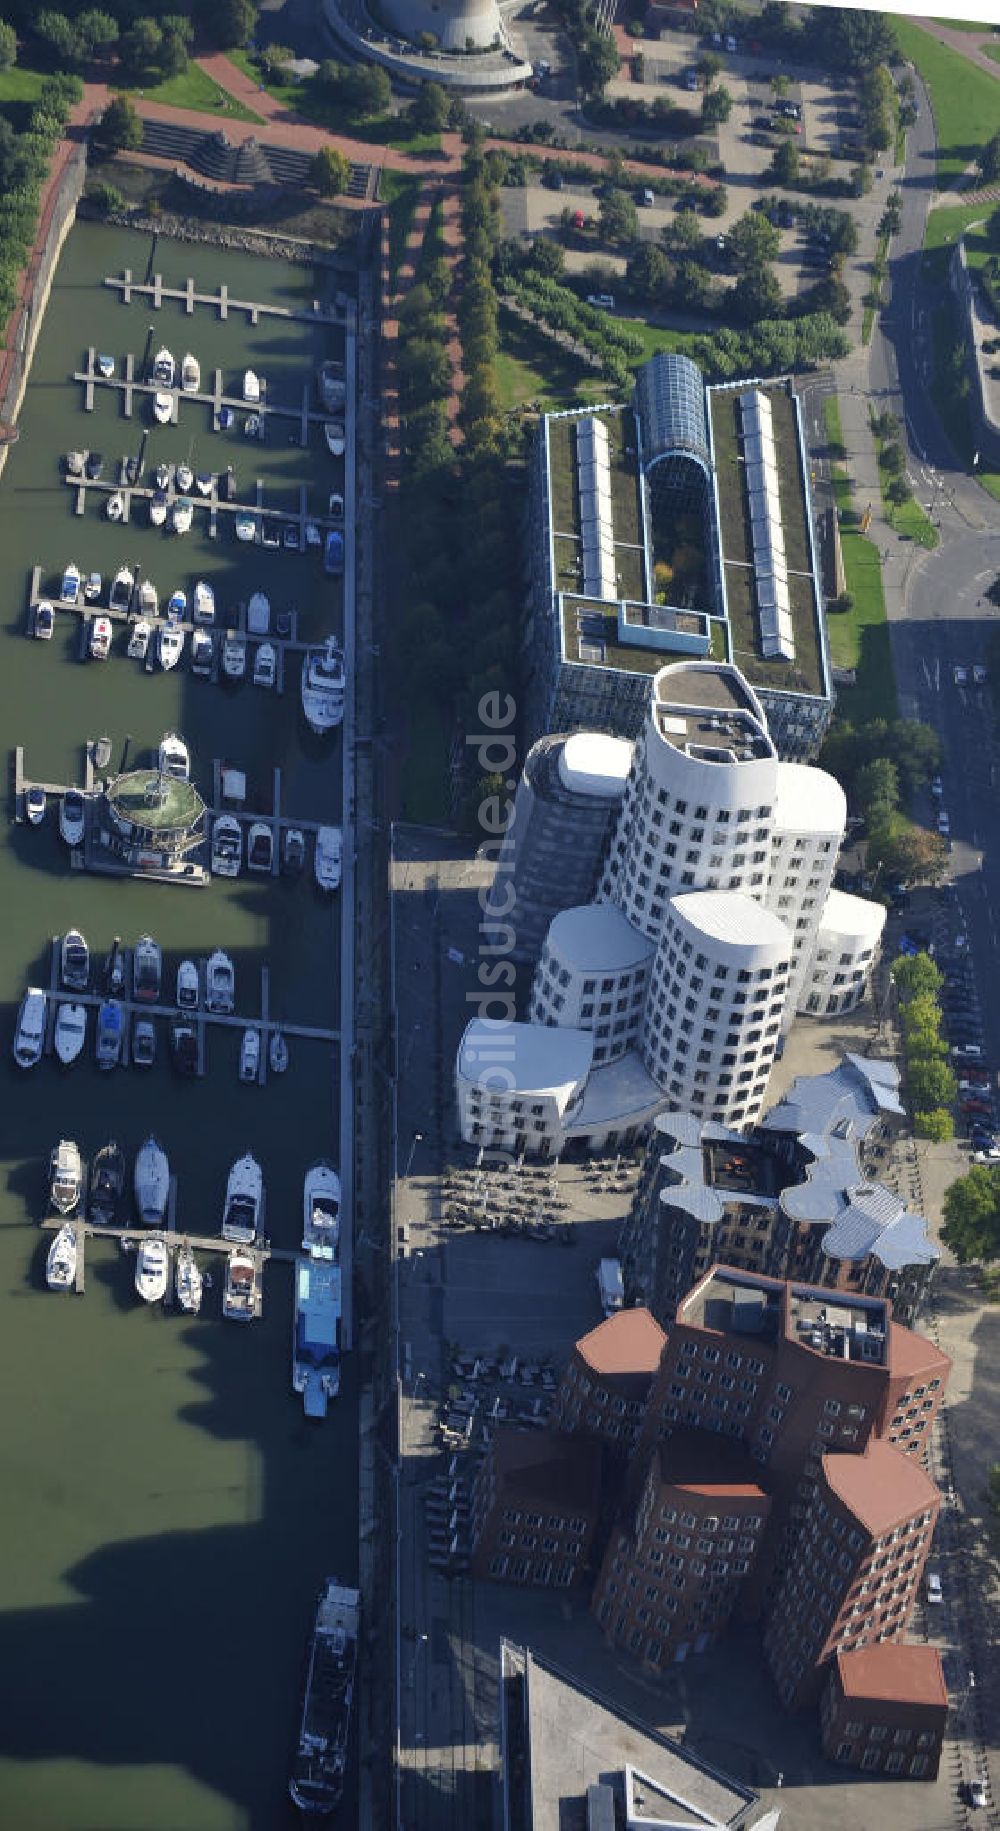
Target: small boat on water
(328,857)
(70,1033)
(188,993)
(177,606)
(149,598)
(102,752)
(185,478)
(44,620)
(260,847)
(152,1270)
(99,642)
(251,426)
(92,588)
(29,1032)
(115,506)
(182,514)
(162,475)
(251,386)
(163,407)
(110,1033)
(204,482)
(227,846)
(293,851)
(174,757)
(94,466)
(244,1204)
(184,1047)
(331,386)
(316,1334)
(265,665)
(147,970)
(130,470)
(321,1211)
(202,653)
(190,373)
(143,1042)
(74,961)
(114,969)
(313,536)
(164,368)
(234,655)
(323,685)
(72,817)
(241,1293)
(188,1282)
(169,645)
(35,804)
(333,432)
(220,981)
(151,1180)
(227,419)
(335,506)
(258,613)
(246,527)
(75,463)
(69,589)
(65,1176)
(107,1180)
(138,642)
(229,484)
(158,508)
(277,1052)
(61,1262)
(204,602)
(333,553)
(316,1783)
(105,367)
(122,587)
(250,1055)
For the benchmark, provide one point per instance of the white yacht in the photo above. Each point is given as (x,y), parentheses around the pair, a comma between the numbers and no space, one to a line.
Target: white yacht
(122,587)
(250,1054)
(277,1052)
(202,653)
(99,642)
(174,757)
(243,1212)
(265,665)
(72,817)
(149,598)
(328,857)
(241,1294)
(246,527)
(163,407)
(74,961)
(152,1270)
(188,1282)
(105,367)
(333,432)
(190,374)
(158,508)
(177,606)
(92,588)
(204,482)
(70,1033)
(258,613)
(71,585)
(139,638)
(316,1334)
(164,368)
(260,847)
(110,1033)
(251,386)
(65,1176)
(151,1182)
(162,476)
(114,508)
(169,645)
(323,686)
(188,994)
(227,846)
(43,621)
(234,655)
(60,1265)
(185,478)
(29,1033)
(181,514)
(147,970)
(204,602)
(35,804)
(321,1211)
(220,982)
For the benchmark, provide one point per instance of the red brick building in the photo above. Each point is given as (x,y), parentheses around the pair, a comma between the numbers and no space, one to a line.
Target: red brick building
(605,1388)
(849,1578)
(536,1505)
(885,1709)
(671,1580)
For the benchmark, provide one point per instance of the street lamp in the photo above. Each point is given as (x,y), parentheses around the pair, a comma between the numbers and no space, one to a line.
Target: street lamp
(418,1138)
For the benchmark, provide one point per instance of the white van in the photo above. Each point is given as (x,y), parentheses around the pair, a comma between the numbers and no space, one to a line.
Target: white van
(604,301)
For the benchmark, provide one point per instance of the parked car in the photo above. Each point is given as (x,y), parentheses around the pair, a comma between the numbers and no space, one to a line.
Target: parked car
(935,1593)
(943,823)
(971,1105)
(976,1794)
(979,676)
(961,675)
(937,787)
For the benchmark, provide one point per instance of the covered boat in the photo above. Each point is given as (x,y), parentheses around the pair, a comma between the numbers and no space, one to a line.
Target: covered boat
(61,1261)
(328,857)
(316,1334)
(243,1210)
(151,1182)
(333,432)
(29,1032)
(74,961)
(190,373)
(110,1033)
(65,1176)
(107,1180)
(70,1032)
(323,686)
(321,1211)
(204,602)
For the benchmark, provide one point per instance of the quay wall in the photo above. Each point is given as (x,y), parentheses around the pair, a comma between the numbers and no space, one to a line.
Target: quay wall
(57,217)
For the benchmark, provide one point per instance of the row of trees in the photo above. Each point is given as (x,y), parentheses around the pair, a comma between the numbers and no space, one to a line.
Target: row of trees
(881,766)
(24,161)
(148,46)
(930,1081)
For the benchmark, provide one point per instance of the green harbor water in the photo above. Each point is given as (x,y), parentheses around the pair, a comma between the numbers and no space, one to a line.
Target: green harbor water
(168,1515)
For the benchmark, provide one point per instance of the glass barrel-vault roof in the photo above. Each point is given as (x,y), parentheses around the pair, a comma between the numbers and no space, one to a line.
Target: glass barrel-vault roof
(670,404)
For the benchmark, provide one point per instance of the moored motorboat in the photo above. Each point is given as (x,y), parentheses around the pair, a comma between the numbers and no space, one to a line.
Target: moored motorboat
(241,1293)
(316,1334)
(265,665)
(163,407)
(122,587)
(335,506)
(328,857)
(107,1180)
(333,432)
(35,804)
(149,598)
(190,373)
(158,508)
(162,476)
(29,1031)
(99,643)
(147,970)
(204,602)
(105,367)
(93,466)
(138,641)
(71,584)
(92,588)
(177,606)
(331,386)
(260,847)
(227,846)
(114,969)
(102,752)
(169,645)
(184,1047)
(250,1054)
(164,368)
(152,1270)
(185,478)
(143,1042)
(174,757)
(75,462)
(313,536)
(258,613)
(333,553)
(65,1176)
(251,386)
(110,1033)
(74,961)
(204,482)
(234,655)
(114,508)
(44,620)
(188,993)
(61,1260)
(316,1783)
(246,527)
(188,1282)
(202,653)
(151,1180)
(70,1032)
(323,686)
(293,851)
(220,982)
(321,1211)
(243,1211)
(251,426)
(72,817)
(181,514)
(277,1052)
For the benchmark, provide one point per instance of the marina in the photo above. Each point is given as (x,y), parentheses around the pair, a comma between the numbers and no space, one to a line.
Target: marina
(180,1463)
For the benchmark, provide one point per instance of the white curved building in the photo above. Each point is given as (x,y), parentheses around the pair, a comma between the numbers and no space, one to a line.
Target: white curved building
(699,806)
(845,951)
(454,25)
(592,975)
(810,820)
(716,999)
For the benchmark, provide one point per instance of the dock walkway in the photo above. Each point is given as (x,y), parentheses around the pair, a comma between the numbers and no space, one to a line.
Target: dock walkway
(189,296)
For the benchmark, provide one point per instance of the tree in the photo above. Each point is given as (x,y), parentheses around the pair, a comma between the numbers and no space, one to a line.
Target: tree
(784,167)
(781,84)
(708,67)
(8,46)
(877,787)
(932,1085)
(682,231)
(907,853)
(141,46)
(972,1215)
(429,109)
(231,22)
(916,973)
(61,36)
(649,272)
(715,200)
(330,172)
(898,492)
(547,257)
(119,129)
(619,218)
(893,458)
(851,40)
(598,61)
(989,160)
(757,295)
(274,59)
(937,1125)
(754,239)
(717,106)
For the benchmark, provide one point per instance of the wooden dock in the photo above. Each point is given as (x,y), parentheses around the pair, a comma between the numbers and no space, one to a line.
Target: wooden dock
(214,398)
(174,1239)
(220,302)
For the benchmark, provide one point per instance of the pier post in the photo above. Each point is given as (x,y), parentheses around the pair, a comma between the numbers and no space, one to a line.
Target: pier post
(223,301)
(157,290)
(81,1247)
(189,297)
(129,381)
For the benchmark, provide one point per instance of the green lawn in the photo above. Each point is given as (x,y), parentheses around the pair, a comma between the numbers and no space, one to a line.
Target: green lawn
(965,25)
(531,369)
(909,519)
(859,638)
(654,337)
(954,408)
(19,86)
(385,130)
(992,50)
(195,89)
(965,99)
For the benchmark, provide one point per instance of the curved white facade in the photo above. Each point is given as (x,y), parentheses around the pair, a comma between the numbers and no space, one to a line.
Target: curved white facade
(592,975)
(455,25)
(716,999)
(846,947)
(809,825)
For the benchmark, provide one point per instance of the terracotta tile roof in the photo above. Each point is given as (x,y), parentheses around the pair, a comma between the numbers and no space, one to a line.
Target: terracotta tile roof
(548,1468)
(882,1487)
(631,1341)
(707,1464)
(893,1674)
(911,1354)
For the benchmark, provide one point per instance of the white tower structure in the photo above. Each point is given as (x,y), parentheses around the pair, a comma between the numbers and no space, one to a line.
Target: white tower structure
(809,824)
(593,975)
